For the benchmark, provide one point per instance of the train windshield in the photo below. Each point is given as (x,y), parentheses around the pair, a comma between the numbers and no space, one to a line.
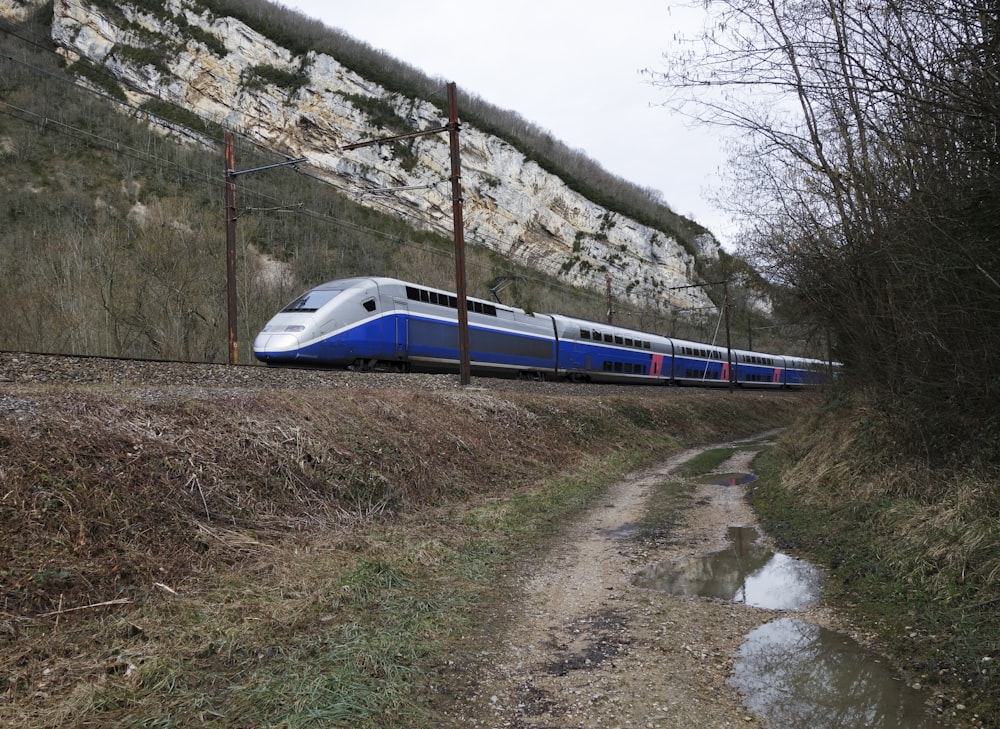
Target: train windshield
(312,300)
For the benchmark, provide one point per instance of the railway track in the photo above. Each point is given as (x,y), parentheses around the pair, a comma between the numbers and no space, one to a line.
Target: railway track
(32,368)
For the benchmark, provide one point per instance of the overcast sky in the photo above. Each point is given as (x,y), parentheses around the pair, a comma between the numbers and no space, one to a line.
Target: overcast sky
(571,67)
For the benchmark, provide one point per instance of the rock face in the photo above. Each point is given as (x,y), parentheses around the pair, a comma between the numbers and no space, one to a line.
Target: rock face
(311,106)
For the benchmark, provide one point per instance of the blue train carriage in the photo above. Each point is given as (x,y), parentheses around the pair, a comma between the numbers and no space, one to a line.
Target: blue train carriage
(383,323)
(595,352)
(758,369)
(696,363)
(805,372)
(503,340)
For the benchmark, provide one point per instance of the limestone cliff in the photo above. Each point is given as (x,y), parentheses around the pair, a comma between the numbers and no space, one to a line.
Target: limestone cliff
(311,105)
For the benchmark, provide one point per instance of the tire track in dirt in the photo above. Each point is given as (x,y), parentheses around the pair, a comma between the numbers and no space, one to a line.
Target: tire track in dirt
(588,649)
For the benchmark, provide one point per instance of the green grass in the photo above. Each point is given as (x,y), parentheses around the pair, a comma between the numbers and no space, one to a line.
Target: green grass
(705,462)
(665,509)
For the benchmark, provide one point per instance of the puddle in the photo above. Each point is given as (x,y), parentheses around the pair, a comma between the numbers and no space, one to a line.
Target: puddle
(744,572)
(624,531)
(726,479)
(796,674)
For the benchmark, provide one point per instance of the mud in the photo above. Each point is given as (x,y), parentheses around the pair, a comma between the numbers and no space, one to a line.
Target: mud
(584,647)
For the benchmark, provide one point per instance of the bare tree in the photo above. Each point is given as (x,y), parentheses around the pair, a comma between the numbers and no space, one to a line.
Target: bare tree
(870,148)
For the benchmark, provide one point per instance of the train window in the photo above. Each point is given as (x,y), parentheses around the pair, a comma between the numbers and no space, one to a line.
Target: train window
(647,345)
(597,335)
(312,300)
(584,334)
(629,342)
(479,307)
(619,339)
(618,366)
(369,305)
(607,366)
(628,367)
(608,338)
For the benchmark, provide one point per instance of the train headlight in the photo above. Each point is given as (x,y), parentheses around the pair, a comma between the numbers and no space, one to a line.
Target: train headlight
(294,328)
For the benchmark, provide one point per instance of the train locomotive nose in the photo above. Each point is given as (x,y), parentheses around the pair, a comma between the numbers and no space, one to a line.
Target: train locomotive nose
(266,343)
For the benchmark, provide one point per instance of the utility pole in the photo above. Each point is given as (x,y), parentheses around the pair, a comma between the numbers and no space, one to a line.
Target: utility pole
(607,294)
(729,345)
(452,127)
(234,357)
(231,175)
(464,368)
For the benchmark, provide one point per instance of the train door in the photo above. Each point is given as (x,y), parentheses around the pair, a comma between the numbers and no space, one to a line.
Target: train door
(402,319)
(656,365)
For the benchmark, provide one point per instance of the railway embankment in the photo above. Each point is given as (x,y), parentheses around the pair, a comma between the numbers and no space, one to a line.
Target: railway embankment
(257,547)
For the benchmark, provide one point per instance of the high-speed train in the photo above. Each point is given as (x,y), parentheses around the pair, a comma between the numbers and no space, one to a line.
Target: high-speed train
(375,323)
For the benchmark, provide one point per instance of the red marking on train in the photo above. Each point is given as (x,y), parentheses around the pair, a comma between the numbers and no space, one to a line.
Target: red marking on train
(657,365)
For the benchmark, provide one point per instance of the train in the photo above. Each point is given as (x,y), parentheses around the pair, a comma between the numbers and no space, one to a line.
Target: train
(376,323)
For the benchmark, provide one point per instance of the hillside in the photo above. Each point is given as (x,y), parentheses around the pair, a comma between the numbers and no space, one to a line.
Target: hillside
(113,198)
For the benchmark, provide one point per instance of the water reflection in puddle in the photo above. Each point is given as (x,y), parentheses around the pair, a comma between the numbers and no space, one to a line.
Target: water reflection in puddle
(745,572)
(796,674)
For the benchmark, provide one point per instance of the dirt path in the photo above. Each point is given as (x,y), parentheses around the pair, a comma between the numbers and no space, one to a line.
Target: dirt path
(589,649)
